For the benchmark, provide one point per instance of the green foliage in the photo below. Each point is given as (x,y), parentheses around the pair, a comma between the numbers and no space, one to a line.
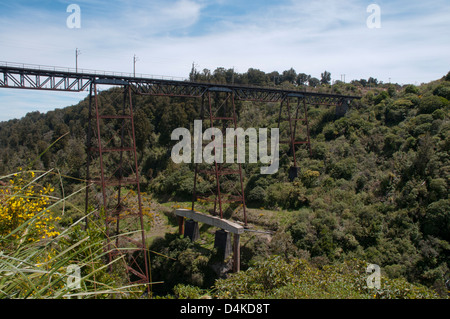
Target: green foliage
(412,89)
(431,103)
(447,77)
(178,181)
(288,195)
(325,77)
(187,292)
(277,278)
(257,195)
(343,169)
(437,219)
(177,261)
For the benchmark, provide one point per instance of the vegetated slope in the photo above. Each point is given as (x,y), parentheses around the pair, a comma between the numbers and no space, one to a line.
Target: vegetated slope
(375,188)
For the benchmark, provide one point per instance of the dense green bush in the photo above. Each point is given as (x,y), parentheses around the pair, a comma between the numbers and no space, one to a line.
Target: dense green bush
(442,90)
(431,103)
(277,278)
(176,260)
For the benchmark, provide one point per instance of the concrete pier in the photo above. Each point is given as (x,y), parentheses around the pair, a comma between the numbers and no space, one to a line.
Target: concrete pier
(191,230)
(222,241)
(223,235)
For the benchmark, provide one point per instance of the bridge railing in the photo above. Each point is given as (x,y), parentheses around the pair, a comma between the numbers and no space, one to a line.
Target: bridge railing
(88,73)
(39,67)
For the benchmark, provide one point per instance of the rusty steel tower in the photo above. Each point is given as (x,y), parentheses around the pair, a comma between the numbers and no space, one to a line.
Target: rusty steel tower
(220,112)
(112,169)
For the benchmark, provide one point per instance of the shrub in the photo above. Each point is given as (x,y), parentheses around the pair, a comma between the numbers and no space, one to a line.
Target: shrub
(24,203)
(177,261)
(412,89)
(392,143)
(43,265)
(437,219)
(394,114)
(438,189)
(298,279)
(447,77)
(431,103)
(257,195)
(188,292)
(442,90)
(343,169)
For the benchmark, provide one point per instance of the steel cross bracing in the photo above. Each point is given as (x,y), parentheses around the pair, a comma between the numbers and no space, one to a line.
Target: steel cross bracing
(111,139)
(25,78)
(220,112)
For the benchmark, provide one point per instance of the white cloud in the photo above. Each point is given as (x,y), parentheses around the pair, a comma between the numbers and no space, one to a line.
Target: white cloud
(156,17)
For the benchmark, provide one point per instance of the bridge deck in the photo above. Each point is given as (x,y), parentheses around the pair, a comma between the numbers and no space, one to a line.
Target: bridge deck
(61,79)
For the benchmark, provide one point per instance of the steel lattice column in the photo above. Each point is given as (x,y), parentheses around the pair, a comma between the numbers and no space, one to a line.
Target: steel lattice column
(111,149)
(294,115)
(220,112)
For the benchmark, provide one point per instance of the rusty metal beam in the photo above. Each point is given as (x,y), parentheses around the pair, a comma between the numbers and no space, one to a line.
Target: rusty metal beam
(58,79)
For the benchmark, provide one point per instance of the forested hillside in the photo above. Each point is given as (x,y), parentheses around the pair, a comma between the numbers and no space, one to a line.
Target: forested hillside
(374,189)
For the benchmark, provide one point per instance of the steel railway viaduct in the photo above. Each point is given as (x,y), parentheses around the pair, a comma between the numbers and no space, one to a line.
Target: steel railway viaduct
(105,144)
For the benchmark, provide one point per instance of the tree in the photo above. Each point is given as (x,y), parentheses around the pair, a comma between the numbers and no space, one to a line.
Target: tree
(289,75)
(206,75)
(326,77)
(412,89)
(275,77)
(431,103)
(443,91)
(143,128)
(313,82)
(256,77)
(231,77)
(447,77)
(193,75)
(302,78)
(437,219)
(372,80)
(220,75)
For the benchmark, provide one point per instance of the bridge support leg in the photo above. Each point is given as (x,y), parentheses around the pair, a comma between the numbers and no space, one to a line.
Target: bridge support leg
(116,158)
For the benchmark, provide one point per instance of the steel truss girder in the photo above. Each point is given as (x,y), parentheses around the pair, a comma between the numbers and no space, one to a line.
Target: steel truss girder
(43,80)
(169,89)
(57,80)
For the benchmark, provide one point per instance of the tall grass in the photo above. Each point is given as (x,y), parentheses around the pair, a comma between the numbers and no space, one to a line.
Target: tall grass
(72,263)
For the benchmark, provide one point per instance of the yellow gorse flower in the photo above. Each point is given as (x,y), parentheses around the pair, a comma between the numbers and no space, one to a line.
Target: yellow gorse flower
(21,202)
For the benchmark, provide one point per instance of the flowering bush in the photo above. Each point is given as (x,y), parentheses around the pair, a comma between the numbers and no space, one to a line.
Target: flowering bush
(37,261)
(24,202)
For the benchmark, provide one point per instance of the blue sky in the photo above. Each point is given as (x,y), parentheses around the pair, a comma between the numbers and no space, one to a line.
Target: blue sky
(167,36)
